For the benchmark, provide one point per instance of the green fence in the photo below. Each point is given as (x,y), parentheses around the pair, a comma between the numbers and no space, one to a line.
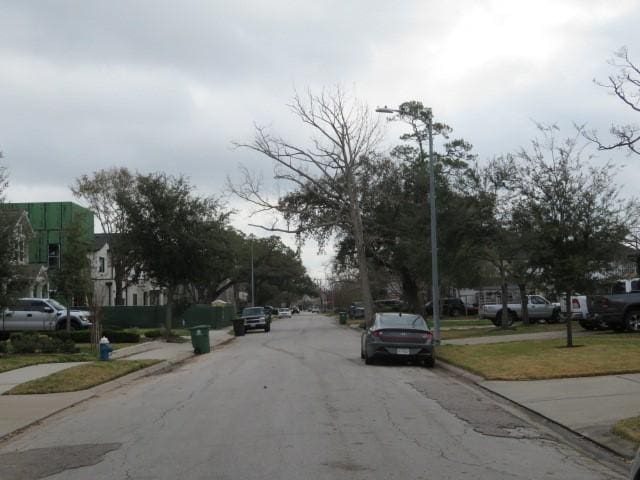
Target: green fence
(154,316)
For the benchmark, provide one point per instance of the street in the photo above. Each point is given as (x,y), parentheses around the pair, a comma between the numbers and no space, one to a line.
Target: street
(294,403)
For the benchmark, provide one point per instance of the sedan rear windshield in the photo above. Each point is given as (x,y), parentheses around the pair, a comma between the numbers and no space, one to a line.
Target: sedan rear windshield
(253,311)
(403,321)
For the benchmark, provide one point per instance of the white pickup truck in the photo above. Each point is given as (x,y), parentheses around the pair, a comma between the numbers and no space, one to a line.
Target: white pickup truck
(39,314)
(538,307)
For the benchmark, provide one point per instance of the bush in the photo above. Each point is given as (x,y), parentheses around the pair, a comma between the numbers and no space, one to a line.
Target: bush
(157,333)
(50,344)
(4,347)
(25,342)
(67,346)
(119,336)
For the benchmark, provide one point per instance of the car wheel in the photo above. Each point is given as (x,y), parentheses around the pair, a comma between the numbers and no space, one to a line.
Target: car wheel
(429,362)
(455,312)
(586,325)
(555,316)
(512,317)
(367,359)
(632,321)
(63,325)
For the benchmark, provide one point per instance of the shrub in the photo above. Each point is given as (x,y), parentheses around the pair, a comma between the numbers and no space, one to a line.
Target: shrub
(25,342)
(80,336)
(157,333)
(50,344)
(4,347)
(119,336)
(67,346)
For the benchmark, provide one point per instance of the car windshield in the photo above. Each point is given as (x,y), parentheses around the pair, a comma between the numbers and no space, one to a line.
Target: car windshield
(403,321)
(253,311)
(284,309)
(56,305)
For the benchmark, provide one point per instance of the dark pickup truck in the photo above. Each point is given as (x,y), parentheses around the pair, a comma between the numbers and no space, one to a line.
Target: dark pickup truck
(619,311)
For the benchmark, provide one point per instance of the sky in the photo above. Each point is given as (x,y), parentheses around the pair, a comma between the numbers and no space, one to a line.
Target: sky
(154,85)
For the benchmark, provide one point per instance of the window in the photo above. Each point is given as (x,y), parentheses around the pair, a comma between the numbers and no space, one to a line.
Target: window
(134,299)
(101,265)
(145,298)
(54,255)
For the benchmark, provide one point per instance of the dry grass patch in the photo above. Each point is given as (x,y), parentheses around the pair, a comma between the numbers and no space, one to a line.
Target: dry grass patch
(80,377)
(629,429)
(546,359)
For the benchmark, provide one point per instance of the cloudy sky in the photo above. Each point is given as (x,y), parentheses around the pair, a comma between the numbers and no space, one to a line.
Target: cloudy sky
(157,85)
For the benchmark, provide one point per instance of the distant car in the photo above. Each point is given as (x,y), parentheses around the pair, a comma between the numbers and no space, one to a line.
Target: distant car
(356,310)
(295,310)
(284,313)
(403,336)
(315,309)
(256,317)
(635,468)
(452,307)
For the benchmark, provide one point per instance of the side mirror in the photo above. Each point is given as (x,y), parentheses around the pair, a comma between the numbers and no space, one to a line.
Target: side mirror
(47,310)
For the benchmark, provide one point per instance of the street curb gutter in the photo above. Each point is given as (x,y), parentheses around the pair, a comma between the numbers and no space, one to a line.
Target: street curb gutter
(476,380)
(160,367)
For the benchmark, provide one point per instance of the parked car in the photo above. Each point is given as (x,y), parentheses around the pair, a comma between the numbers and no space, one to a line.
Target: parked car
(256,317)
(539,308)
(284,313)
(452,307)
(579,307)
(397,335)
(620,311)
(356,310)
(295,310)
(389,305)
(41,314)
(315,309)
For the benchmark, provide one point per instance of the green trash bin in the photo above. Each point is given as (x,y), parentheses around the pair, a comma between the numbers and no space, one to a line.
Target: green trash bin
(343,318)
(200,339)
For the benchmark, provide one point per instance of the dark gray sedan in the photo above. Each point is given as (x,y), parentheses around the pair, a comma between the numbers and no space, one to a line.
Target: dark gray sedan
(403,336)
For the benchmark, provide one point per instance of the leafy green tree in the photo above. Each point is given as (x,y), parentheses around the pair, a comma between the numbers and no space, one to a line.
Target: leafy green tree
(168,228)
(101,192)
(575,210)
(72,279)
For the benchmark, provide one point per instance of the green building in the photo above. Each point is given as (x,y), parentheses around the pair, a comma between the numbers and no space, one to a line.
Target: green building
(49,220)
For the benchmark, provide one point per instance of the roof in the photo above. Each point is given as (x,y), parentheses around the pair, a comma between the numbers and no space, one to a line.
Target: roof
(99,241)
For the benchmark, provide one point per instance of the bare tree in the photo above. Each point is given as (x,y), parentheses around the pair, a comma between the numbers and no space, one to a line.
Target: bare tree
(324,176)
(625,85)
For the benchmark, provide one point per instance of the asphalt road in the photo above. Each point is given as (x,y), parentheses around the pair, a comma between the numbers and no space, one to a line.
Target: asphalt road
(295,403)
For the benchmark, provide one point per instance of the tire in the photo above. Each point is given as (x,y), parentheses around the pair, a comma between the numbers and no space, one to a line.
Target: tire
(367,359)
(586,325)
(455,312)
(632,321)
(62,325)
(430,362)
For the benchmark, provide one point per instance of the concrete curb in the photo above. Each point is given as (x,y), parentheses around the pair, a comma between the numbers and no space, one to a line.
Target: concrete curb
(94,392)
(134,349)
(476,380)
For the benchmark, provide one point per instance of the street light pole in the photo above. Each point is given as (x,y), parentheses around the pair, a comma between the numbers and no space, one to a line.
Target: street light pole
(253,298)
(426,116)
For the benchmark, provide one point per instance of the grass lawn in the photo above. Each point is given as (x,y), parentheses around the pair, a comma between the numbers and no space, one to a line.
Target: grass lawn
(629,429)
(11,362)
(545,359)
(463,322)
(517,329)
(80,377)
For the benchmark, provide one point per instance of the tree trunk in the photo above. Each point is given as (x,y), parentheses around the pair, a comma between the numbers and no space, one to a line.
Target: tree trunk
(167,312)
(524,304)
(410,293)
(358,235)
(568,310)
(119,281)
(504,321)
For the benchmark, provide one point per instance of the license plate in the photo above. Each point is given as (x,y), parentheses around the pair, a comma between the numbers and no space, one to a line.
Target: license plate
(403,351)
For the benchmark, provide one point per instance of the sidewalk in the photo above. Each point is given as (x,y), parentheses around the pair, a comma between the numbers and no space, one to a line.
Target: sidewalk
(588,406)
(20,411)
